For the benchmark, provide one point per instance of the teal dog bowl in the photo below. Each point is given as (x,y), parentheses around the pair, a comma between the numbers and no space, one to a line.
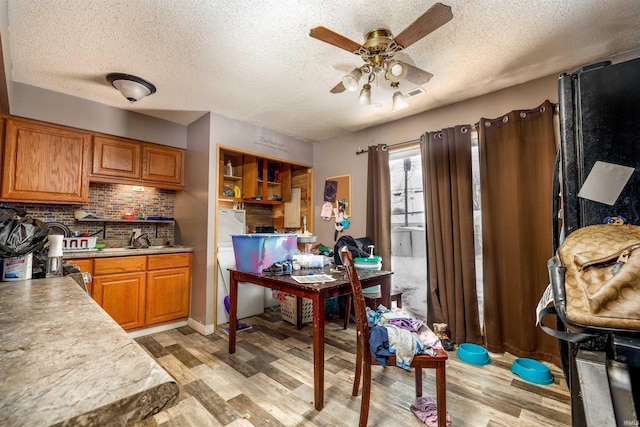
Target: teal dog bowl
(473,354)
(532,371)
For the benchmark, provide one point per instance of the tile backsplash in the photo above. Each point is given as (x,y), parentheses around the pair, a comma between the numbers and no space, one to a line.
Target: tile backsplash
(112,201)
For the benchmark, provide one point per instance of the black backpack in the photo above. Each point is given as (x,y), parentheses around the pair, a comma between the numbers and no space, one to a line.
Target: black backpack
(355,246)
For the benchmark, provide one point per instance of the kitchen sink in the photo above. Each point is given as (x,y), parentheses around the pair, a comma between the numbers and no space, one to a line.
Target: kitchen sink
(126,248)
(115,249)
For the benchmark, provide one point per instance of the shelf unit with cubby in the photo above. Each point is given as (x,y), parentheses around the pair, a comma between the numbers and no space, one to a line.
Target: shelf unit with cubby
(265,182)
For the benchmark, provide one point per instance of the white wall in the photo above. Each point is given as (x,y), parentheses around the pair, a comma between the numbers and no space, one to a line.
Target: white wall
(54,107)
(194,226)
(337,156)
(6,52)
(196,208)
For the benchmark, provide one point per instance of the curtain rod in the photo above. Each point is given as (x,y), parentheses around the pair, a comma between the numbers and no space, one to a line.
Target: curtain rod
(385,147)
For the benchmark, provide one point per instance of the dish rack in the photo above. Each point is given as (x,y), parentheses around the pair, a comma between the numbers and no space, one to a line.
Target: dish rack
(79,243)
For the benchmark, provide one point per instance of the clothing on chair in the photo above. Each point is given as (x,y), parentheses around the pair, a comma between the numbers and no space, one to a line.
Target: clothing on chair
(379,344)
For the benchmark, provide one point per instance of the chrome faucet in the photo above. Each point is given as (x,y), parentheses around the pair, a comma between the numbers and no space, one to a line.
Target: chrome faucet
(140,241)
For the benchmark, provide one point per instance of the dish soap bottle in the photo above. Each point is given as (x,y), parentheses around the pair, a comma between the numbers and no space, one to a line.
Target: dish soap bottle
(229,170)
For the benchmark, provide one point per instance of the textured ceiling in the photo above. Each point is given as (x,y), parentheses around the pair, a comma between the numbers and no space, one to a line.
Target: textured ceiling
(254,60)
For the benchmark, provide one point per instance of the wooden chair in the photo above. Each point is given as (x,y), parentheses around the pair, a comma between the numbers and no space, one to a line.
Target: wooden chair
(364,359)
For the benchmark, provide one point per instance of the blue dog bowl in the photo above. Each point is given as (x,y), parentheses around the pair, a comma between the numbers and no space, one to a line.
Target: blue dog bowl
(473,354)
(532,371)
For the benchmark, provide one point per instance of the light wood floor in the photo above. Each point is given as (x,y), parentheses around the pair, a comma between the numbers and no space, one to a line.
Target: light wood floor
(269,382)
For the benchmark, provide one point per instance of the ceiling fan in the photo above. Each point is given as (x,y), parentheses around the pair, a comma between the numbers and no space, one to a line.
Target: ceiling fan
(378,50)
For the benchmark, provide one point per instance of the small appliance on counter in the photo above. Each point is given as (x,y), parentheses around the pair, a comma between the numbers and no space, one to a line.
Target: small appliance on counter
(54,257)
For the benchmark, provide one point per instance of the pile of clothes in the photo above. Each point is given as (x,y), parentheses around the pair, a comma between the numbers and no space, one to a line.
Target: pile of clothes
(397,332)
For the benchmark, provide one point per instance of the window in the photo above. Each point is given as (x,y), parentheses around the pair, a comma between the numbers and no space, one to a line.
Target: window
(477,221)
(408,240)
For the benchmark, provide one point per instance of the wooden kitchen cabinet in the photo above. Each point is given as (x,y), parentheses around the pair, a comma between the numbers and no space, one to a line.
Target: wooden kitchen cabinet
(119,287)
(259,177)
(262,180)
(168,287)
(229,181)
(164,165)
(126,161)
(115,157)
(45,163)
(142,290)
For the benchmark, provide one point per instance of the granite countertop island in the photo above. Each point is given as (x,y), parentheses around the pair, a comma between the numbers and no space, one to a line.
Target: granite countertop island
(64,361)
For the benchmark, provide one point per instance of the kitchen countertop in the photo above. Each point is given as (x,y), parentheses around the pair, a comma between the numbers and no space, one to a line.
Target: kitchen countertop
(114,252)
(64,361)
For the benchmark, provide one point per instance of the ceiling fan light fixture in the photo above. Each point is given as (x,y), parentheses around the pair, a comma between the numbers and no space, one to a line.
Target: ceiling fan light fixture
(398,99)
(365,95)
(396,70)
(351,81)
(132,87)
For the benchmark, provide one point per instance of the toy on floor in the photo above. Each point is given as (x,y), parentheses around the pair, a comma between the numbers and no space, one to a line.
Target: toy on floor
(440,329)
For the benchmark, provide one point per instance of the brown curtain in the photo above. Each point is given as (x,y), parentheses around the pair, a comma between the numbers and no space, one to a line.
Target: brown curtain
(452,296)
(379,202)
(517,153)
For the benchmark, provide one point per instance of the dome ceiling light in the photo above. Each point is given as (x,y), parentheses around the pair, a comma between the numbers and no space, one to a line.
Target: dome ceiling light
(132,87)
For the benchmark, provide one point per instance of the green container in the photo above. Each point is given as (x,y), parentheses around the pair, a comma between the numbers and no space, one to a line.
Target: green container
(371,263)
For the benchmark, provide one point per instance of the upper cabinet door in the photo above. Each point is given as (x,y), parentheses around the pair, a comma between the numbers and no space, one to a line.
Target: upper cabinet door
(45,163)
(116,157)
(162,164)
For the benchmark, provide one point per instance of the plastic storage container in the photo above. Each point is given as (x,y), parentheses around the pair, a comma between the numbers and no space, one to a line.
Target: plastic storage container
(369,263)
(255,252)
(17,268)
(289,310)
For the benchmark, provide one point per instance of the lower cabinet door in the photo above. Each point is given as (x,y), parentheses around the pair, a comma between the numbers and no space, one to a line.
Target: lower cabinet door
(168,294)
(122,296)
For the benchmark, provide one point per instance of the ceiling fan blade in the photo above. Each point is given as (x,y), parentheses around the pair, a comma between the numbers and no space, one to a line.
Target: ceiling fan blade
(417,76)
(339,88)
(437,15)
(328,36)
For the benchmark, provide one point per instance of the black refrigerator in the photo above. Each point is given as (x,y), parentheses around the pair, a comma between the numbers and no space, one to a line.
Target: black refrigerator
(598,181)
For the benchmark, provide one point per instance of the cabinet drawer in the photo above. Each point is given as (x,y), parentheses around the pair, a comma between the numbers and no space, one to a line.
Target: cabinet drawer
(119,265)
(159,262)
(84,264)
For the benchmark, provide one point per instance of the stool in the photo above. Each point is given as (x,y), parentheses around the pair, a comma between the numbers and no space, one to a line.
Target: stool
(372,300)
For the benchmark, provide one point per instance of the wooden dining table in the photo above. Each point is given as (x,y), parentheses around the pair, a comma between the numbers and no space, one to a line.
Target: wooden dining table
(318,293)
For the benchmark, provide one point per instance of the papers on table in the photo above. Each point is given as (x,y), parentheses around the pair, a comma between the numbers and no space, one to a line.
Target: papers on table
(314,278)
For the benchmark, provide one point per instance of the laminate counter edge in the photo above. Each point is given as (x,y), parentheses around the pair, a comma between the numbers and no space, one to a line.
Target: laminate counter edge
(116,252)
(64,361)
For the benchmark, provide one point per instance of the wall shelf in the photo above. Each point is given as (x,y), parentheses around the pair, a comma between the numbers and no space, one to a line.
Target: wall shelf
(106,221)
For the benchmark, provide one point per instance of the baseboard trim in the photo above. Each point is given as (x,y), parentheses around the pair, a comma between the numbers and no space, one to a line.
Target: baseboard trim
(159,328)
(200,328)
